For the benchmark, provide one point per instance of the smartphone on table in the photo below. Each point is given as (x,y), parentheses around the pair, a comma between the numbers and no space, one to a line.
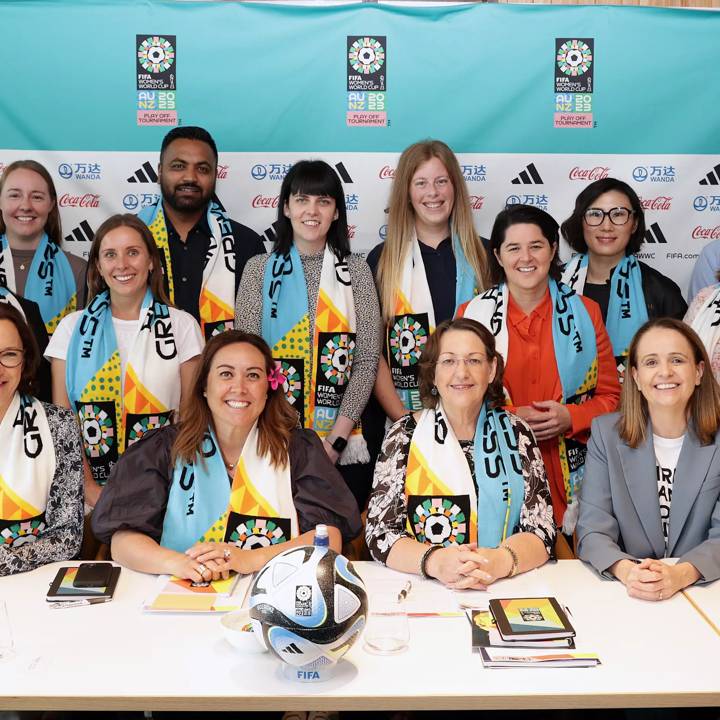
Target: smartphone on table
(93,575)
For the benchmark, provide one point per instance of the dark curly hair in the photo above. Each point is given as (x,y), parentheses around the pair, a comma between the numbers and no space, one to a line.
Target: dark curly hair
(495,395)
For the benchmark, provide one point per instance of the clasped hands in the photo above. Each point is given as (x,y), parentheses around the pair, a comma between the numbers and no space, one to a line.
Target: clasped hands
(468,567)
(651,579)
(207,561)
(546,418)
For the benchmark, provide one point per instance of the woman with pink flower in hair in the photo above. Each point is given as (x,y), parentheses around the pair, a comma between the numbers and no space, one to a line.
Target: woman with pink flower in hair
(236,482)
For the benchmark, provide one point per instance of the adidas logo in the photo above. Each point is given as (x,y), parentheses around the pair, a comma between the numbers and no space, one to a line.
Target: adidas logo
(654,234)
(713,177)
(146,174)
(292,649)
(343,173)
(270,234)
(82,233)
(528,176)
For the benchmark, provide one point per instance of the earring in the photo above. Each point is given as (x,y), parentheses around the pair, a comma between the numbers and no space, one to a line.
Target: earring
(434,390)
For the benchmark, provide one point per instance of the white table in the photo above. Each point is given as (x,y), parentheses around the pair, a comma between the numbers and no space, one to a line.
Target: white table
(706,600)
(116,657)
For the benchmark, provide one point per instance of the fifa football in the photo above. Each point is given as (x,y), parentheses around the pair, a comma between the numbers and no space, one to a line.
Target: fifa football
(309,606)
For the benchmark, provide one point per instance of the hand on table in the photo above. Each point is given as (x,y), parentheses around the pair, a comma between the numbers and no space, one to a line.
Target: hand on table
(190,568)
(446,564)
(481,567)
(546,418)
(653,579)
(223,557)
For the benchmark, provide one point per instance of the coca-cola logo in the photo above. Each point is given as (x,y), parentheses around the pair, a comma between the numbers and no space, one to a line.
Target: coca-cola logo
(706,233)
(88,200)
(662,202)
(265,201)
(351,231)
(387,173)
(596,173)
(222,171)
(476,201)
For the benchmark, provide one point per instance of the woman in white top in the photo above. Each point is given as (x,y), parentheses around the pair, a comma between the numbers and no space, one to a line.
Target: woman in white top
(652,475)
(122,364)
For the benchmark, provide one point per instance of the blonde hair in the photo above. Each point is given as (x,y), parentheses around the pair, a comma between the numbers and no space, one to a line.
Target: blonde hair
(704,403)
(401,221)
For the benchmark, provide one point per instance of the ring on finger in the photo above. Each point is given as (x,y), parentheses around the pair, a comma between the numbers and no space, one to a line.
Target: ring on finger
(660,598)
(226,553)
(201,569)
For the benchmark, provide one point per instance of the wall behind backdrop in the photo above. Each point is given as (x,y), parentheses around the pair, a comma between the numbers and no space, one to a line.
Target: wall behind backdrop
(536,101)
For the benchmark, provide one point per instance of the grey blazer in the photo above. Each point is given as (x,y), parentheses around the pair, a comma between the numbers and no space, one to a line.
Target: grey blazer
(620,511)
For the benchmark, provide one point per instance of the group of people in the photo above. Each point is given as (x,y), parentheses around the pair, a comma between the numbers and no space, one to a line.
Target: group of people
(490,407)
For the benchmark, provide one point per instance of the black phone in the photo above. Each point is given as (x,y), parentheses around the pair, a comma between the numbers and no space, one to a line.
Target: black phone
(92,575)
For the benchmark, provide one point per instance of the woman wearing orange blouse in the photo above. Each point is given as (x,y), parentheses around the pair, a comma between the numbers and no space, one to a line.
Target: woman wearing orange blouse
(560,371)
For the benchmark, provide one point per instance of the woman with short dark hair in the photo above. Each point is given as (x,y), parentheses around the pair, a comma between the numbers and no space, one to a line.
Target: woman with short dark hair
(559,368)
(606,230)
(41,469)
(652,480)
(460,492)
(315,304)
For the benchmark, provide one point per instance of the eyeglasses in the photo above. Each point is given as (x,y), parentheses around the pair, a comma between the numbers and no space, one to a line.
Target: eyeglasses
(617,215)
(450,363)
(11,358)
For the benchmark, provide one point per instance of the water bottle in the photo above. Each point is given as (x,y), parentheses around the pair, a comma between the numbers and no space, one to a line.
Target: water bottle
(322,539)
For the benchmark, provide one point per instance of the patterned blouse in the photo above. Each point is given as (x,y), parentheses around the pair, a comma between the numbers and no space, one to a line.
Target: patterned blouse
(64,512)
(387,510)
(695,306)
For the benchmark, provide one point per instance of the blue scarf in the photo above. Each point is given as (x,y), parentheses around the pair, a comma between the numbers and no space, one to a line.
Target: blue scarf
(50,281)
(627,310)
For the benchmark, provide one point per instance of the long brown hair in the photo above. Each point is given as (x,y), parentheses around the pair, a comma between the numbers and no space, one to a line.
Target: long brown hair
(53,228)
(704,404)
(401,221)
(276,421)
(495,394)
(96,284)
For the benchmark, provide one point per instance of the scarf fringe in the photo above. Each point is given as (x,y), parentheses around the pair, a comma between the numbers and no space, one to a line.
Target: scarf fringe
(356,451)
(571,517)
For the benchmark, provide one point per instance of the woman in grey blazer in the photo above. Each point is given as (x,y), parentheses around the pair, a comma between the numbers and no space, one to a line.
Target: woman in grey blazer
(652,474)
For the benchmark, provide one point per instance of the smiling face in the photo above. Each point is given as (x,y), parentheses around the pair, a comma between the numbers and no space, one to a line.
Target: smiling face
(311,217)
(25,204)
(463,371)
(432,195)
(607,239)
(666,372)
(187,175)
(525,255)
(124,263)
(237,386)
(11,350)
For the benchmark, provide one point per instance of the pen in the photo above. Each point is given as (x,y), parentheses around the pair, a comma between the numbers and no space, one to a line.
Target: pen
(404,592)
(79,603)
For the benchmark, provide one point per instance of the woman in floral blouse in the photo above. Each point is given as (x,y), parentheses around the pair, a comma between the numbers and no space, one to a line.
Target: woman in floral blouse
(460,492)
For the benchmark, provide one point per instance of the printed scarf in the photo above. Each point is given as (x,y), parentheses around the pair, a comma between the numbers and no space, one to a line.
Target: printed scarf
(50,282)
(217,296)
(27,468)
(315,365)
(256,511)
(575,354)
(116,411)
(626,310)
(454,509)
(414,319)
(707,322)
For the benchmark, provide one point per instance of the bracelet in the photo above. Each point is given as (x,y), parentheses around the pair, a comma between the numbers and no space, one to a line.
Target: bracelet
(424,560)
(514,557)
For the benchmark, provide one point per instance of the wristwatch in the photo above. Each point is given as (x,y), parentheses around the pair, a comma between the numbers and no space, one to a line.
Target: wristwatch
(338,444)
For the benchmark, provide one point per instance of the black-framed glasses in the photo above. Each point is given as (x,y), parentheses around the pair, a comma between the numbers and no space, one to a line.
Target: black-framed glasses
(11,358)
(618,216)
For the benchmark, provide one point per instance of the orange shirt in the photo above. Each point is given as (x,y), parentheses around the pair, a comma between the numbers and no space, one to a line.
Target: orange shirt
(531,374)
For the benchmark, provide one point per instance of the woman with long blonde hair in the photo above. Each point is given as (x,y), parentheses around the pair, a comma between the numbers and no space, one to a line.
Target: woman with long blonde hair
(431,263)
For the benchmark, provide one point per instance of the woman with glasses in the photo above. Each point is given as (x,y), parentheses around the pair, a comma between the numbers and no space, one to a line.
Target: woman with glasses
(560,371)
(460,492)
(606,229)
(41,467)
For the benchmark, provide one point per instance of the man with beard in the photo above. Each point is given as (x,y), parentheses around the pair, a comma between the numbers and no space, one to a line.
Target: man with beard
(204,252)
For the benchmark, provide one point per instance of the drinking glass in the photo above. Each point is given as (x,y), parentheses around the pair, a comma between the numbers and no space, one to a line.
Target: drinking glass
(387,630)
